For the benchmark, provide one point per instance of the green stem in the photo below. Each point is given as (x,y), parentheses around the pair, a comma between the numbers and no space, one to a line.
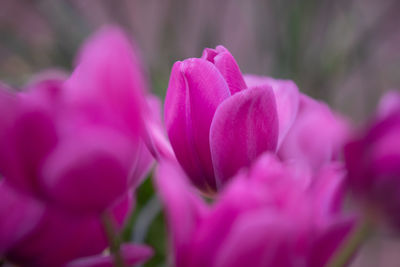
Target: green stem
(114,239)
(351,244)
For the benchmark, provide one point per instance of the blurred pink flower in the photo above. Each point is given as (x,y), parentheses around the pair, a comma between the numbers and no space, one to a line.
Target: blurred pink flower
(272,215)
(78,143)
(373,162)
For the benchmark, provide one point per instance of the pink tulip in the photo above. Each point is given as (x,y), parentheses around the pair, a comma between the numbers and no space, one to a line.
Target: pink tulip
(216,125)
(36,234)
(78,143)
(274,214)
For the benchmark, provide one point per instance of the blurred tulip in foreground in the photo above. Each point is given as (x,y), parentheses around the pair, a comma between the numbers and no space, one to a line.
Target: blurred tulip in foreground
(78,143)
(272,215)
(373,162)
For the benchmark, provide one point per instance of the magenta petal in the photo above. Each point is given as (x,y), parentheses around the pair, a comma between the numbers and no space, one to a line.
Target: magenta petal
(255,80)
(156,139)
(287,100)
(207,89)
(108,80)
(316,136)
(19,216)
(47,245)
(90,174)
(36,136)
(329,190)
(244,126)
(10,162)
(330,240)
(195,90)
(8,107)
(122,209)
(183,208)
(389,103)
(283,180)
(226,64)
(258,238)
(142,165)
(132,255)
(39,248)
(157,143)
(176,122)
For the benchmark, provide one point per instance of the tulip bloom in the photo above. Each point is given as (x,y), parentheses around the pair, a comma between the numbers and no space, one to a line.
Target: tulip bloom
(36,234)
(273,215)
(219,121)
(373,162)
(76,143)
(214,124)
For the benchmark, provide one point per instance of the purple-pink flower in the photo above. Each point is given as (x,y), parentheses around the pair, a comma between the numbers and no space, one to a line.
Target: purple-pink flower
(275,214)
(219,121)
(77,142)
(373,162)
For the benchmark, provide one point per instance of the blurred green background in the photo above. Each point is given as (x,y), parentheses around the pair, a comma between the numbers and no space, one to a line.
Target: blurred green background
(345,52)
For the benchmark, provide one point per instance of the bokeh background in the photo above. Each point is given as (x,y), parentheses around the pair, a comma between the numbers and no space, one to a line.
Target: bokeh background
(345,52)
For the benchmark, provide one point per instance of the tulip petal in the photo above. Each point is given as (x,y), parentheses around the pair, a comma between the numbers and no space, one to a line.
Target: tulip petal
(88,173)
(107,81)
(19,215)
(183,208)
(244,126)
(257,238)
(316,136)
(10,162)
(48,246)
(142,165)
(36,136)
(39,248)
(176,122)
(195,91)
(389,103)
(283,181)
(226,64)
(328,190)
(287,100)
(156,138)
(27,132)
(325,246)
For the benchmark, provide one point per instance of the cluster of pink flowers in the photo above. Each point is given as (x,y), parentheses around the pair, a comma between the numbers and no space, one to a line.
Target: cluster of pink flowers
(73,149)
